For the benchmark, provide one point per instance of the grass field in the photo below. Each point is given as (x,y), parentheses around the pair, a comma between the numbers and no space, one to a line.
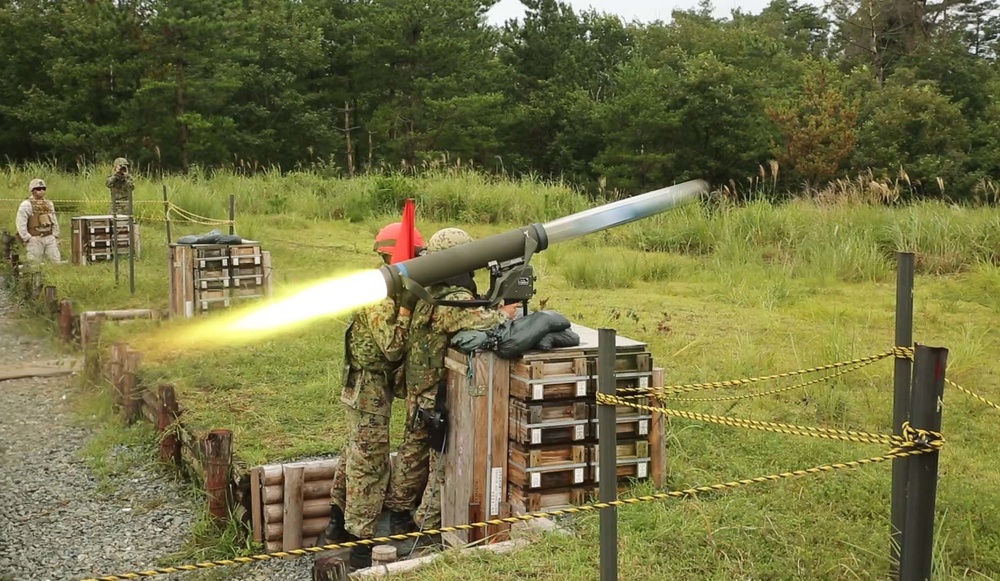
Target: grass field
(717,292)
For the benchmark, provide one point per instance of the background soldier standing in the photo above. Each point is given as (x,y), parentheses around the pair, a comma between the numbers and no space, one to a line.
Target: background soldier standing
(121,186)
(373,349)
(431,328)
(37,224)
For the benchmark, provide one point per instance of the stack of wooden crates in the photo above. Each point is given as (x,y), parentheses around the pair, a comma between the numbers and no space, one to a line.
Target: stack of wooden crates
(209,277)
(94,238)
(524,432)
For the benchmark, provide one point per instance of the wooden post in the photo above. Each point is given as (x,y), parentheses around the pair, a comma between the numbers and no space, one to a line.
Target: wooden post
(291,524)
(66,320)
(330,569)
(170,444)
(116,374)
(383,555)
(218,448)
(35,292)
(90,340)
(657,434)
(51,302)
(132,389)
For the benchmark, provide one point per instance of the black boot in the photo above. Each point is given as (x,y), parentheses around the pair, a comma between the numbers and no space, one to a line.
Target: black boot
(401,522)
(419,544)
(335,532)
(361,556)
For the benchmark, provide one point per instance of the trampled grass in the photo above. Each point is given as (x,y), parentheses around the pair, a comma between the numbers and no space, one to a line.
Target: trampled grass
(718,293)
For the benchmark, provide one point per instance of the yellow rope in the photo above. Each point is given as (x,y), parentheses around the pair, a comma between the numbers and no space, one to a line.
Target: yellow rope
(908,449)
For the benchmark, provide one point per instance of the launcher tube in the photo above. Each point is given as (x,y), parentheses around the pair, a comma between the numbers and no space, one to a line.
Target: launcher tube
(431,268)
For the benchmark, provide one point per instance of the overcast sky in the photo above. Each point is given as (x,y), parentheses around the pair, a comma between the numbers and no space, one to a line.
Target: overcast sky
(642,10)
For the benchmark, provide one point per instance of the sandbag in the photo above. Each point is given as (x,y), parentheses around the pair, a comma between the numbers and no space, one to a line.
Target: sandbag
(513,338)
(213,237)
(469,341)
(567,338)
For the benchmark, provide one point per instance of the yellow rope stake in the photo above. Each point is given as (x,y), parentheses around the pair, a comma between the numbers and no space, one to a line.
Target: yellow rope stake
(912,449)
(686,388)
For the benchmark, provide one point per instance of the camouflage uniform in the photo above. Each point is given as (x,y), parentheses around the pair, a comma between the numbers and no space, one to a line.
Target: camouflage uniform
(431,327)
(374,345)
(121,187)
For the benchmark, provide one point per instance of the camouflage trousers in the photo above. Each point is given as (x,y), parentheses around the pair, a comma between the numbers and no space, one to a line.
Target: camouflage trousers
(360,482)
(417,476)
(119,205)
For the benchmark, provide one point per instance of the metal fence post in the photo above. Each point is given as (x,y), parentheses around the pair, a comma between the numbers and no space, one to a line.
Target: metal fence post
(608,444)
(232,214)
(902,379)
(925,413)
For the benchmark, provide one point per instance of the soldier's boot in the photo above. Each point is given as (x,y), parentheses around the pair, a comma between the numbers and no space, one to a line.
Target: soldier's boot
(401,522)
(335,532)
(361,556)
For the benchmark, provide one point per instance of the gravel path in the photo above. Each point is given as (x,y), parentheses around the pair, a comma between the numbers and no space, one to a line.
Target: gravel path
(57,521)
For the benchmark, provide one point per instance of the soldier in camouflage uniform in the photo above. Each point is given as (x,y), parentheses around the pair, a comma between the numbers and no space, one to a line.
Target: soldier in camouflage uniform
(121,186)
(431,328)
(373,351)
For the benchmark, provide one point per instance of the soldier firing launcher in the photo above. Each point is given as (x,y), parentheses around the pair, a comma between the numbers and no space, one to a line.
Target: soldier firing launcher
(508,254)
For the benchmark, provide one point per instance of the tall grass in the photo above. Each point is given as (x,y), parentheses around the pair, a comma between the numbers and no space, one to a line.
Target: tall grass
(853,239)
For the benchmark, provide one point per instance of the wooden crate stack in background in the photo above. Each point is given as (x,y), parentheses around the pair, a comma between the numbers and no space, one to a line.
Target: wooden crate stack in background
(93,238)
(209,277)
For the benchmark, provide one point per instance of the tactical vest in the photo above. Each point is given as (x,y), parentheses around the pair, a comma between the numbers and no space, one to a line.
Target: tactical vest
(426,350)
(41,218)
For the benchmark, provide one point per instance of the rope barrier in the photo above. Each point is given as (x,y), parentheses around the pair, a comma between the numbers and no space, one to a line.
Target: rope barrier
(906,449)
(690,387)
(773,391)
(907,353)
(780,428)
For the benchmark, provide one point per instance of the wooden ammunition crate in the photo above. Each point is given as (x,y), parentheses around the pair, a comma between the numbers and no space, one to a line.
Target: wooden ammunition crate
(630,425)
(99,239)
(561,377)
(548,466)
(549,422)
(210,277)
(633,458)
(523,501)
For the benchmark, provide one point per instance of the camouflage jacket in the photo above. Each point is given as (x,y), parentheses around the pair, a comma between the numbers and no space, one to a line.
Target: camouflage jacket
(375,342)
(431,327)
(121,187)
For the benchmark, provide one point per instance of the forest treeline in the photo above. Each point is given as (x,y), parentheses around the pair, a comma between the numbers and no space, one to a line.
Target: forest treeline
(793,97)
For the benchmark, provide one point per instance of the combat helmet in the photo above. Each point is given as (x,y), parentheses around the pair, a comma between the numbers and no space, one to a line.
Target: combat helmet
(121,161)
(448,238)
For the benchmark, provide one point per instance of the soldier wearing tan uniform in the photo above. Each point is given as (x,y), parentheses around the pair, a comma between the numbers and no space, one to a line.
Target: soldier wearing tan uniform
(37,224)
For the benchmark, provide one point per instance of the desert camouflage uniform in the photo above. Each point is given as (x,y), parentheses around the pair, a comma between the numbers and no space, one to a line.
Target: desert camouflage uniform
(374,343)
(430,330)
(38,227)
(121,187)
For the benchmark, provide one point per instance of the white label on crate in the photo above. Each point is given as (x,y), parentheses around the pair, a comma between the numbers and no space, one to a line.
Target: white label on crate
(538,389)
(496,490)
(643,427)
(642,469)
(644,382)
(577,475)
(536,479)
(578,432)
(597,473)
(581,388)
(536,436)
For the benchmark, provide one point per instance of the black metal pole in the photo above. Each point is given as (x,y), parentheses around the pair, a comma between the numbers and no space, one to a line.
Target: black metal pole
(925,413)
(902,378)
(608,444)
(166,213)
(232,214)
(131,245)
